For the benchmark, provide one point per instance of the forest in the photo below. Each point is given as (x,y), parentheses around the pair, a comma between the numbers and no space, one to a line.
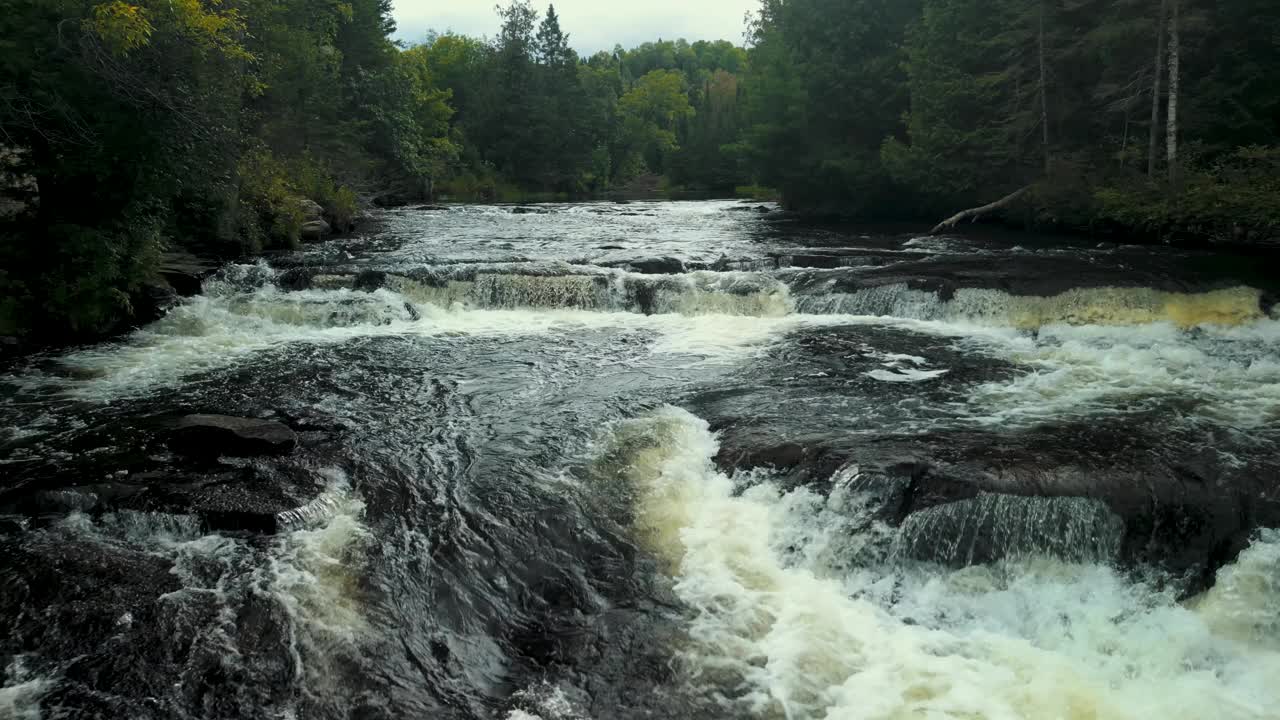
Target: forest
(129,128)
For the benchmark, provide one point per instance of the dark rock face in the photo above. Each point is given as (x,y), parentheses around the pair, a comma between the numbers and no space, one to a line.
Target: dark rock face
(1031,275)
(208,480)
(152,301)
(256,498)
(212,435)
(370,280)
(1186,506)
(657,266)
(185,273)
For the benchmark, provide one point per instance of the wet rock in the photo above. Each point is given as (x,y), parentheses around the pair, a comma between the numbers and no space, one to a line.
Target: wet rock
(611,247)
(215,435)
(295,279)
(370,280)
(254,498)
(430,207)
(529,211)
(315,230)
(1183,504)
(657,266)
(153,300)
(185,272)
(1042,275)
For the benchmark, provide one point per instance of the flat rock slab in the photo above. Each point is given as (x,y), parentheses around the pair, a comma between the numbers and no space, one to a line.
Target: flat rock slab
(657,266)
(215,435)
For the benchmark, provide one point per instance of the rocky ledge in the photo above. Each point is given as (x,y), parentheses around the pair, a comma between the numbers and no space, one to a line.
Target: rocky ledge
(230,473)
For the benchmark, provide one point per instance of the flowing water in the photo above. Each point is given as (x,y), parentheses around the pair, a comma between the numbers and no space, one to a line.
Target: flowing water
(661,460)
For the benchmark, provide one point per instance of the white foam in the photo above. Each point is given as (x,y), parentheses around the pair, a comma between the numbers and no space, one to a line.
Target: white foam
(544,701)
(1231,374)
(22,701)
(778,628)
(20,693)
(315,573)
(906,375)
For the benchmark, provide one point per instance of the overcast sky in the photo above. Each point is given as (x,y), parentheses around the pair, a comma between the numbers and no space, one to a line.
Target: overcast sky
(592,24)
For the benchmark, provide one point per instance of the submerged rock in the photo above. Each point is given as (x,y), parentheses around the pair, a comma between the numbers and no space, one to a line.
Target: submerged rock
(214,435)
(657,266)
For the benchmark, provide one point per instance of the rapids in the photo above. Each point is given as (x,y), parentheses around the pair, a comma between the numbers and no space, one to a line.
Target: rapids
(660,460)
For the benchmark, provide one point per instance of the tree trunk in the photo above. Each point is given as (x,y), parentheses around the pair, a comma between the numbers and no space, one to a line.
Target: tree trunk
(1154,145)
(1175,59)
(1044,96)
(978,212)
(1124,139)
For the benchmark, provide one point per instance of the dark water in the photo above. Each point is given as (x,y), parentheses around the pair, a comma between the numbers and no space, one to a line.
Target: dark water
(661,460)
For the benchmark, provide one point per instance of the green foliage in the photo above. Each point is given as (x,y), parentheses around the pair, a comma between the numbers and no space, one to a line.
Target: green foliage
(924,107)
(122,27)
(1236,194)
(756,192)
(270,214)
(649,114)
(530,113)
(75,279)
(207,121)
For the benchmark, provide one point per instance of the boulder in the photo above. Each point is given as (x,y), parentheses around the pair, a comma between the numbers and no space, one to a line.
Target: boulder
(152,301)
(311,210)
(370,280)
(315,230)
(185,272)
(210,436)
(657,266)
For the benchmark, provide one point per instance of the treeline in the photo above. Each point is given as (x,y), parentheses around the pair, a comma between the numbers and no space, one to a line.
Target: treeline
(1159,117)
(532,116)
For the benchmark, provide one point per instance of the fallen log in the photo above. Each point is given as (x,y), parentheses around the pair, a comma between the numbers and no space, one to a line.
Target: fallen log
(978,212)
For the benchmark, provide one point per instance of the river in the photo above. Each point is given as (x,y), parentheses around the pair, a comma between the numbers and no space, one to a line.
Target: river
(660,460)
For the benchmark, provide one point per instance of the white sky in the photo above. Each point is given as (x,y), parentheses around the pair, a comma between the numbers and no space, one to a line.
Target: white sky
(591,24)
